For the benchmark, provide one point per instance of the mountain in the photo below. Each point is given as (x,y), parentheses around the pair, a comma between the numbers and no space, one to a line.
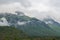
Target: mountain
(52,24)
(29,25)
(13,18)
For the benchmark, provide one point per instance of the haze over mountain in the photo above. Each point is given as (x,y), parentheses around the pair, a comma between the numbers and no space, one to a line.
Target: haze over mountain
(33,8)
(32,26)
(29,19)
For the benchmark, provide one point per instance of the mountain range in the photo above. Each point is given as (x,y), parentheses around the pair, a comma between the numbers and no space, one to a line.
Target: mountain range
(30,25)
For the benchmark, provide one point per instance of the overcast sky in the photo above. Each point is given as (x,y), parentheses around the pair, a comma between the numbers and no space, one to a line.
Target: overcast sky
(34,8)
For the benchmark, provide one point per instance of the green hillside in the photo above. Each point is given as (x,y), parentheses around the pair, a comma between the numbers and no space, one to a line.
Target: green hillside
(11,33)
(55,27)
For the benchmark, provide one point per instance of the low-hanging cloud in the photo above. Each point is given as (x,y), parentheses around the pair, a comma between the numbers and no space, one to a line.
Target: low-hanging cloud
(35,8)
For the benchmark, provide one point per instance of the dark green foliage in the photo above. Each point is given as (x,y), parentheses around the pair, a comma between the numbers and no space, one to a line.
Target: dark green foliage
(11,33)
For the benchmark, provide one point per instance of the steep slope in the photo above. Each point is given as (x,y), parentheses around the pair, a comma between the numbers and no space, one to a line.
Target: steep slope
(37,28)
(53,24)
(13,18)
(32,26)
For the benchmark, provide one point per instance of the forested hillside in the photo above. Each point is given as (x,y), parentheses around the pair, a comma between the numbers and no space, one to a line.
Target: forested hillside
(11,33)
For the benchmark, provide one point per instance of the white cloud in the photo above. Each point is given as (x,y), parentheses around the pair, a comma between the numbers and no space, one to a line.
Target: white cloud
(3,22)
(12,7)
(34,8)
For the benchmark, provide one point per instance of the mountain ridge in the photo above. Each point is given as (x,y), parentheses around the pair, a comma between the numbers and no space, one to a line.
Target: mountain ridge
(32,26)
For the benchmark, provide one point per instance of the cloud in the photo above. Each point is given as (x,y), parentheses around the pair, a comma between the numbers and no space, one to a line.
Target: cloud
(23,2)
(33,8)
(55,3)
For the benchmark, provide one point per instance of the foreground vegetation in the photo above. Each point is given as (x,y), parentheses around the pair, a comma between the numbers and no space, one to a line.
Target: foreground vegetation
(11,33)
